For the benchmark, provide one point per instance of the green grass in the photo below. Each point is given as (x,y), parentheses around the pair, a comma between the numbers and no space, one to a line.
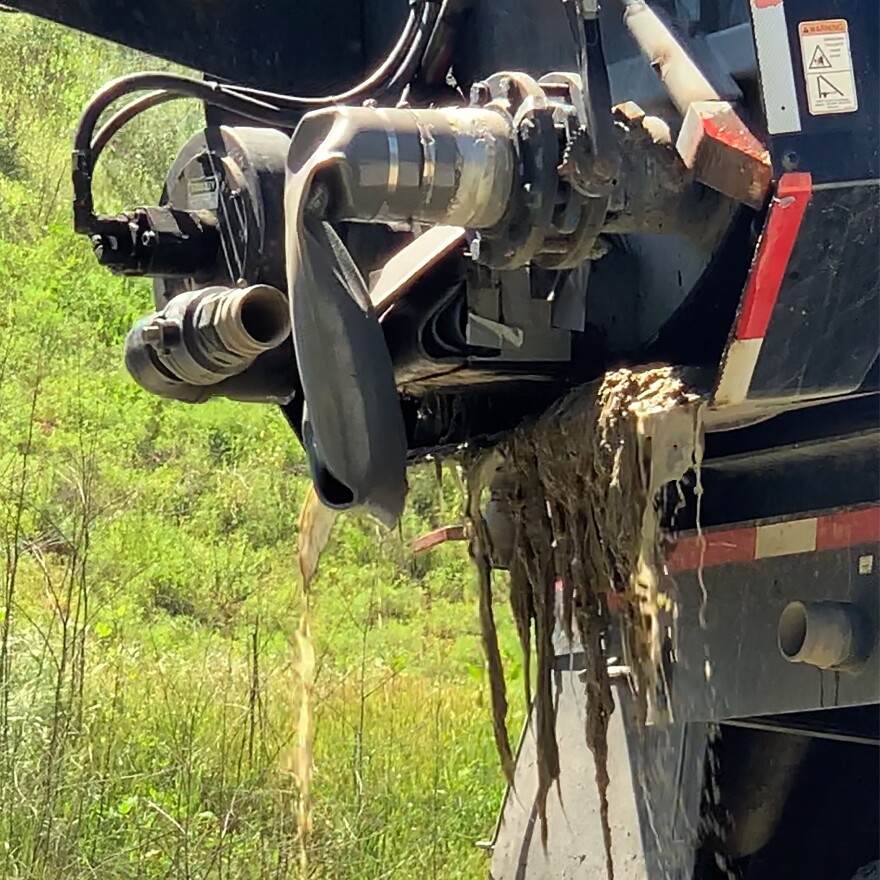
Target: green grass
(148,586)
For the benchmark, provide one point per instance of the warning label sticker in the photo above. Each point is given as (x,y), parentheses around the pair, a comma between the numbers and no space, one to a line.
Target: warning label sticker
(202,193)
(828,67)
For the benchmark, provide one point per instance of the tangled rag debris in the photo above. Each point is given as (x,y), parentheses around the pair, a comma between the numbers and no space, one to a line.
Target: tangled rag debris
(584,487)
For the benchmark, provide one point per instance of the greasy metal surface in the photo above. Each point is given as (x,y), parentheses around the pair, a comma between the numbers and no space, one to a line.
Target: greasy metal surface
(238,174)
(511,319)
(723,153)
(668,772)
(241,169)
(575,850)
(410,262)
(454,166)
(729,665)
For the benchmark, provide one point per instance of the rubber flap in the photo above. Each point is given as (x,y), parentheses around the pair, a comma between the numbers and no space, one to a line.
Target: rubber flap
(353,427)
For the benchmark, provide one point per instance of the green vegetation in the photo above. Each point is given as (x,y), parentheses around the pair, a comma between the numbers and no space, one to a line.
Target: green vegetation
(148,586)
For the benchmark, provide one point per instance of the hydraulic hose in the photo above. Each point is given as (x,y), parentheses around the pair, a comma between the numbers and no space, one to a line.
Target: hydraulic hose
(181,86)
(410,65)
(171,86)
(121,118)
(275,109)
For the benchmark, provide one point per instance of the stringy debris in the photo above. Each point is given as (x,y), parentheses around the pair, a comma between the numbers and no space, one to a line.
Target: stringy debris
(479,477)
(585,484)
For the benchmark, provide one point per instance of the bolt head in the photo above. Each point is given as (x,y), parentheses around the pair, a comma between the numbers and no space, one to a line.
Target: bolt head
(474,248)
(480,95)
(152,334)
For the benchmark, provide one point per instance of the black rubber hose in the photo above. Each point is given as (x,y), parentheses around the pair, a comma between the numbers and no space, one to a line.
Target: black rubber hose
(84,219)
(437,57)
(242,101)
(413,60)
(248,102)
(182,86)
(108,131)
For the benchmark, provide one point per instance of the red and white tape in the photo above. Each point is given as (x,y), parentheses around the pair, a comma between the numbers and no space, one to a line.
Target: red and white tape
(833,531)
(765,280)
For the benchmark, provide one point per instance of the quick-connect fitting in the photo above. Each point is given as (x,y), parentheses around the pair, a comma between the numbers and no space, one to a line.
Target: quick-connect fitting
(203,337)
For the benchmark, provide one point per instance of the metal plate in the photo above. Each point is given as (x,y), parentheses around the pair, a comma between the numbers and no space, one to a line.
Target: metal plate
(728,662)
(575,850)
(835,147)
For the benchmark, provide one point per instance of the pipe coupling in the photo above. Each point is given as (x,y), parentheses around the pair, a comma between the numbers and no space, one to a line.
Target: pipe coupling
(204,337)
(828,635)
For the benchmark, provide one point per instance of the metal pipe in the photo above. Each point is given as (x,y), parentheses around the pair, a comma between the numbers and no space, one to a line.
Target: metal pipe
(204,337)
(829,635)
(453,167)
(683,79)
(247,321)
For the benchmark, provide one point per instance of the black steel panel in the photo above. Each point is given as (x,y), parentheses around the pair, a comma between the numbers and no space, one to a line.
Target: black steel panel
(792,479)
(728,663)
(843,146)
(667,773)
(304,47)
(824,331)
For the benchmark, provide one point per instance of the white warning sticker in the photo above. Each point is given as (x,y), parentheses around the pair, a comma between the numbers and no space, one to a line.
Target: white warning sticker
(828,66)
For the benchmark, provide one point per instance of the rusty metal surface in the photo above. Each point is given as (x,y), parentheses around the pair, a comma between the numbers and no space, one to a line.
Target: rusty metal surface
(723,153)
(437,537)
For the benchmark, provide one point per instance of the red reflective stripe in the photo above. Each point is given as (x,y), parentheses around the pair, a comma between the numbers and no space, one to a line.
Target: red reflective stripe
(848,529)
(714,548)
(774,250)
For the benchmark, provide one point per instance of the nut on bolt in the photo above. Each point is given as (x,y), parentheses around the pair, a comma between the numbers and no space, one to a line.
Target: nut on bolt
(474,249)
(628,112)
(153,333)
(160,333)
(480,94)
